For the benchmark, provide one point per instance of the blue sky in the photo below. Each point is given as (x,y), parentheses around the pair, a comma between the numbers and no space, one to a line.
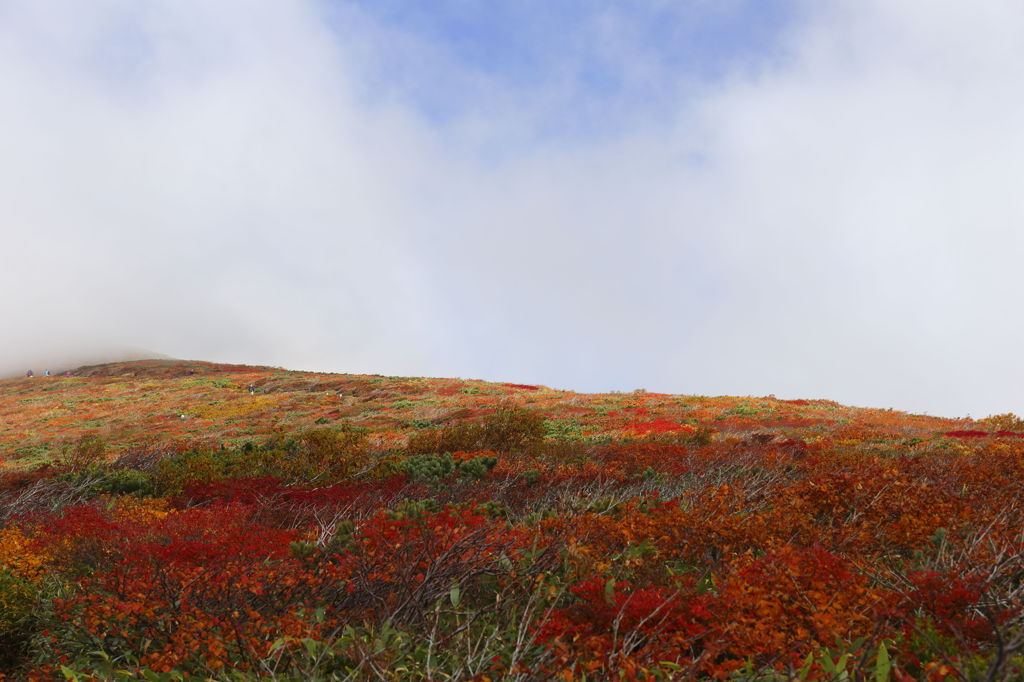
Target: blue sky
(746,198)
(603,64)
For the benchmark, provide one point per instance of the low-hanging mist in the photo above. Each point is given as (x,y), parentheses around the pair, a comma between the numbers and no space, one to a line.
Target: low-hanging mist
(835,215)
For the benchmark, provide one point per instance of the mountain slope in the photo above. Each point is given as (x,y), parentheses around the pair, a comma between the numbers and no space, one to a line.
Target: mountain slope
(130,402)
(188,520)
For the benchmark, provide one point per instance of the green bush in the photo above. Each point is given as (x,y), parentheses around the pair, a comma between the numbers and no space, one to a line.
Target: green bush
(433,468)
(476,468)
(126,482)
(563,428)
(428,468)
(113,481)
(414,509)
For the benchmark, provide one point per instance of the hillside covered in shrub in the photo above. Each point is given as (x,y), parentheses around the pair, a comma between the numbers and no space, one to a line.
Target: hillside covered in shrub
(171,520)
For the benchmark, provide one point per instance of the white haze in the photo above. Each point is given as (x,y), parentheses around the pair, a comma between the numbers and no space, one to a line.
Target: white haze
(224,181)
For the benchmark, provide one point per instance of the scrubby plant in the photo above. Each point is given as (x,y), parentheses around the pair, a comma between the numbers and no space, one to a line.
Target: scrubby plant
(89,450)
(508,429)
(323,454)
(512,429)
(1004,422)
(18,596)
(328,444)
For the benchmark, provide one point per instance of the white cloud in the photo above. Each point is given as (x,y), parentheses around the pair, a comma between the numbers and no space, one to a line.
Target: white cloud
(868,215)
(228,199)
(223,181)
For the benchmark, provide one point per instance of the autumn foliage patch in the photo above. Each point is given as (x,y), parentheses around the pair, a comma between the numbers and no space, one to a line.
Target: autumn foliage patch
(363,527)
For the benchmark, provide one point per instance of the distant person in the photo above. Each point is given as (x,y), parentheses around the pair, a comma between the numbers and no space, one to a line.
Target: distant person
(46,373)
(252,389)
(68,373)
(29,374)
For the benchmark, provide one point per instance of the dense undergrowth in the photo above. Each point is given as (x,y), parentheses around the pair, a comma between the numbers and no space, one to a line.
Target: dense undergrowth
(432,529)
